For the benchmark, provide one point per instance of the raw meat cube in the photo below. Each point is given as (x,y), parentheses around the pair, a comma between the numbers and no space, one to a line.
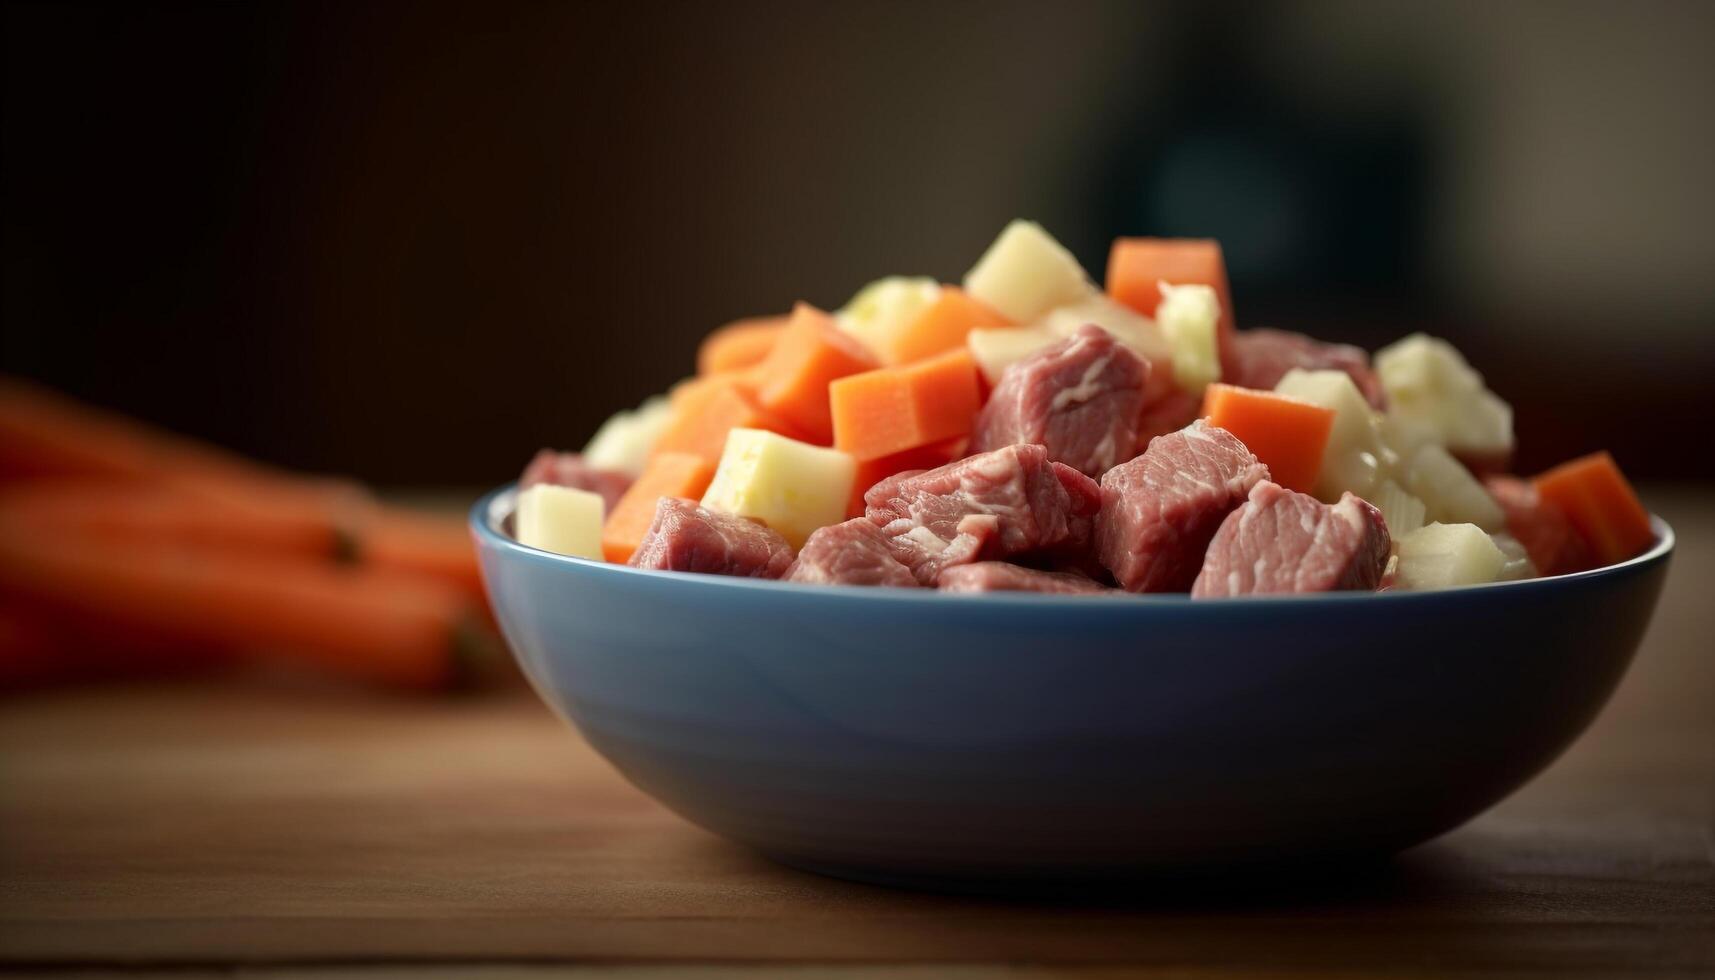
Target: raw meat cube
(1080,398)
(853,553)
(573,470)
(998,504)
(1281,541)
(999,576)
(1260,358)
(1160,510)
(689,538)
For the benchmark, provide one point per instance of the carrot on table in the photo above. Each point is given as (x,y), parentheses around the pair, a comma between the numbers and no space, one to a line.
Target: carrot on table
(739,344)
(812,353)
(1138,266)
(367,624)
(46,434)
(706,409)
(121,513)
(1287,434)
(436,545)
(1602,506)
(889,410)
(668,475)
(943,326)
(873,471)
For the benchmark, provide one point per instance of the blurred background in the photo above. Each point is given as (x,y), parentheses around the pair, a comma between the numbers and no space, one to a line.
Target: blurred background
(416,242)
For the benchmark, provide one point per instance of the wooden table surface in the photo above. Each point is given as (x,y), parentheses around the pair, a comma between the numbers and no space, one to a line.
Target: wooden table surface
(192,827)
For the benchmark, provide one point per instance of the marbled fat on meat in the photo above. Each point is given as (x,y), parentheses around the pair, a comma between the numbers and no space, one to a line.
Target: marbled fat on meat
(853,553)
(1080,398)
(1285,542)
(685,537)
(998,504)
(999,576)
(1160,510)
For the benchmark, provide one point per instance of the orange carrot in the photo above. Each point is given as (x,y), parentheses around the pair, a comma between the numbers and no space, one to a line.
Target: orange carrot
(123,513)
(739,344)
(873,471)
(41,646)
(435,545)
(1287,434)
(1600,503)
(943,326)
(811,353)
(377,626)
(706,409)
(1138,266)
(45,434)
(890,410)
(667,475)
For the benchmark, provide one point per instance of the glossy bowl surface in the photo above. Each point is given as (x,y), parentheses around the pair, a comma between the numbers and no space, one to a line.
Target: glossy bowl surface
(913,736)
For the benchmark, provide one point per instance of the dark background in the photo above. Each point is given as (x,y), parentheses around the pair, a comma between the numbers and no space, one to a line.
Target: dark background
(416,242)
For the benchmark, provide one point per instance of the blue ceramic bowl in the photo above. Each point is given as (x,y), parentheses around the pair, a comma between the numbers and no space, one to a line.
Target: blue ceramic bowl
(911,736)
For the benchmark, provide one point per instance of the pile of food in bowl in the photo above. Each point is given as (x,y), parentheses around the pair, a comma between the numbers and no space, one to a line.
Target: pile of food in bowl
(1031,432)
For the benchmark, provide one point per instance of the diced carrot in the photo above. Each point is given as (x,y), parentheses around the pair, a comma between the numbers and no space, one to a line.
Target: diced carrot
(873,471)
(810,354)
(1601,505)
(368,624)
(706,409)
(1138,266)
(46,434)
(943,326)
(740,344)
(1287,434)
(436,545)
(890,410)
(124,513)
(667,475)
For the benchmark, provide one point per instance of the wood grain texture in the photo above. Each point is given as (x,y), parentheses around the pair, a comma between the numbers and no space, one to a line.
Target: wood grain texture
(217,825)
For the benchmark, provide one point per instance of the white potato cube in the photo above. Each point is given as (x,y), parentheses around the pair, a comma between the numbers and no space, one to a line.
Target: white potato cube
(882,311)
(1449,491)
(1352,459)
(1429,382)
(1026,273)
(1189,317)
(791,486)
(1518,564)
(1128,326)
(999,348)
(564,520)
(1402,512)
(624,441)
(1441,556)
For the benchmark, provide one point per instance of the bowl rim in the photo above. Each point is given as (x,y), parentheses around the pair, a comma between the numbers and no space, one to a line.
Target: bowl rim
(491,509)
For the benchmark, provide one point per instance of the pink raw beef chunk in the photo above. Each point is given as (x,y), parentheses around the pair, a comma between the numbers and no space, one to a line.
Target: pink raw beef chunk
(1080,398)
(999,576)
(997,504)
(1160,510)
(1281,541)
(853,553)
(1260,358)
(687,538)
(570,470)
